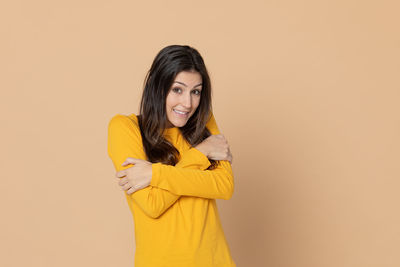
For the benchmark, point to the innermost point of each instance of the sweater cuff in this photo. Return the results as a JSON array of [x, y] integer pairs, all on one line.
[[194, 158]]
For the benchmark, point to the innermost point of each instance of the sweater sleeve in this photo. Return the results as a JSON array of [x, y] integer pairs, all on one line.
[[124, 140], [217, 183]]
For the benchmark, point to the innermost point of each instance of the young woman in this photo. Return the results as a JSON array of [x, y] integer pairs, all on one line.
[[173, 163]]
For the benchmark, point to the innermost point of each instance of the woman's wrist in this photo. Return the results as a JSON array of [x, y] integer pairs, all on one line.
[[202, 149]]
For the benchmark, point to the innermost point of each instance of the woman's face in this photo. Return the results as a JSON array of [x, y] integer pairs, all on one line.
[[183, 98]]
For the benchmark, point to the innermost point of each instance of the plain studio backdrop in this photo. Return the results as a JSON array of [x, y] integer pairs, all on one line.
[[306, 92]]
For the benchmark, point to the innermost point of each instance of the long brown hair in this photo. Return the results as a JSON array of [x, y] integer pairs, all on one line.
[[152, 117]]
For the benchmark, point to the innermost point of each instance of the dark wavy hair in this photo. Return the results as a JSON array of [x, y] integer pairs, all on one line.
[[152, 118]]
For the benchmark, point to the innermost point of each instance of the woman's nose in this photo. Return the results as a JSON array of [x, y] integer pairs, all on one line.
[[186, 101]]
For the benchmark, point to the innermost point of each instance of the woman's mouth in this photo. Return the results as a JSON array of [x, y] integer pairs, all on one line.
[[181, 113]]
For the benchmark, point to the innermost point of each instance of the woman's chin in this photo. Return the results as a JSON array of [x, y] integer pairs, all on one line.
[[179, 123]]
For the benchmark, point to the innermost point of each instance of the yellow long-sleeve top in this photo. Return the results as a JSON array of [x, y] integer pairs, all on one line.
[[176, 217]]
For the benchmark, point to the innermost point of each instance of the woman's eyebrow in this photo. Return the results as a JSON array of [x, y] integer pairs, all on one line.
[[186, 85]]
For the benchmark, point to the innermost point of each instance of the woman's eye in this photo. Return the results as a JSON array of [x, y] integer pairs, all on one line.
[[176, 90], [197, 92]]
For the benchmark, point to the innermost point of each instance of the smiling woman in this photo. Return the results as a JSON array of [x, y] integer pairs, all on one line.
[[184, 98], [181, 165]]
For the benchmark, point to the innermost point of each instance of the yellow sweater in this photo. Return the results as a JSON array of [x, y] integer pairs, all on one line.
[[176, 217]]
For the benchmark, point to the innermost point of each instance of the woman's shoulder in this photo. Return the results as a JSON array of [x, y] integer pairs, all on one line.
[[125, 121], [212, 124]]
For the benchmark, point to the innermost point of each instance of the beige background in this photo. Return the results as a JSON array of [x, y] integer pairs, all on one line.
[[307, 93]]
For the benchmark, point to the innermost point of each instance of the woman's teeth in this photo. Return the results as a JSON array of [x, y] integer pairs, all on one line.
[[180, 112]]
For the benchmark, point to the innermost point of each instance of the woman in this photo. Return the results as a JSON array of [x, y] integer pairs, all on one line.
[[172, 162]]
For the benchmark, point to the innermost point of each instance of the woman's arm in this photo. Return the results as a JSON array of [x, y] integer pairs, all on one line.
[[217, 183], [124, 140]]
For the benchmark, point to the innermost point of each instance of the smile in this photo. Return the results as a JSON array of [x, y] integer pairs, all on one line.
[[181, 113]]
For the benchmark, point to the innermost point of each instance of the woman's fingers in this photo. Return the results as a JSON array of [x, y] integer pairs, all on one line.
[[133, 189], [126, 186], [121, 174], [123, 181], [131, 161], [135, 177]]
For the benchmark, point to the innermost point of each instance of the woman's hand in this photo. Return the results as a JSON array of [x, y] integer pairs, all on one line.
[[136, 177], [216, 147]]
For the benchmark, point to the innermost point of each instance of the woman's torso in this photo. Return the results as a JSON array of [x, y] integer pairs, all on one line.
[[187, 234]]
